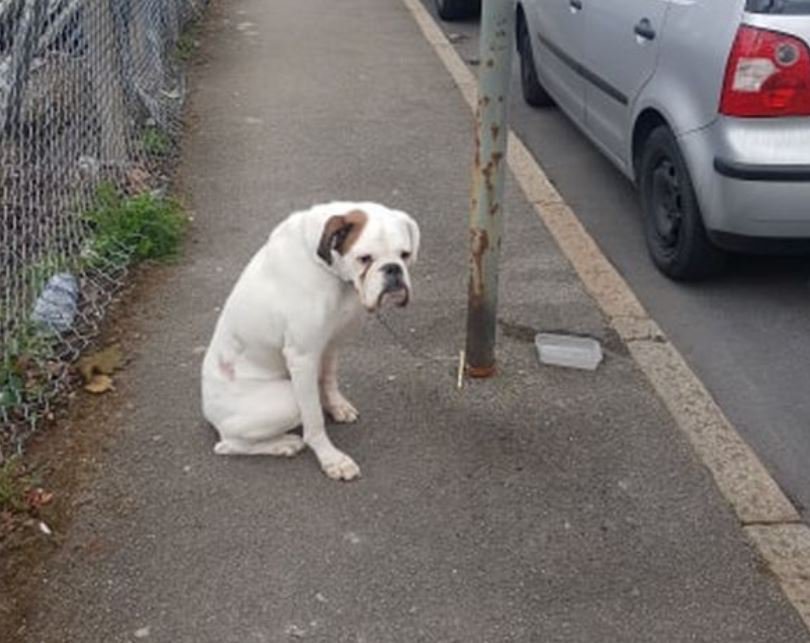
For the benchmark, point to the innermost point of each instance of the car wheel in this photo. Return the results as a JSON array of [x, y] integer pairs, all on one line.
[[533, 92], [457, 9], [674, 230]]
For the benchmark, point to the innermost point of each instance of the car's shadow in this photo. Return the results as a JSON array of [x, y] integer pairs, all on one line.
[[773, 271]]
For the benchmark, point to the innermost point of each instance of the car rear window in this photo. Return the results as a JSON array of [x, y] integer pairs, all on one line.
[[784, 7]]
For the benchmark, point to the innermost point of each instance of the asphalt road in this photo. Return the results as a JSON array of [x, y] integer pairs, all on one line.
[[746, 334]]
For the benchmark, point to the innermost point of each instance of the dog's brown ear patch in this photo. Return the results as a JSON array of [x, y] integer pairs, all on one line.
[[340, 233]]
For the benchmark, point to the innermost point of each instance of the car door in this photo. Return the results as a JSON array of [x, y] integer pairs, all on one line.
[[558, 35], [621, 51]]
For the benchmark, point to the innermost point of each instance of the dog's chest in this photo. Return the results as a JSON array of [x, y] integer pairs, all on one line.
[[347, 314], [343, 317]]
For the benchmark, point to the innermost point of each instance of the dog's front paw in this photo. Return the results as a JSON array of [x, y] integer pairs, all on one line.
[[341, 468], [341, 410]]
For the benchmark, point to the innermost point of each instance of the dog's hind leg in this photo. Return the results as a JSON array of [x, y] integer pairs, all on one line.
[[287, 445], [259, 425]]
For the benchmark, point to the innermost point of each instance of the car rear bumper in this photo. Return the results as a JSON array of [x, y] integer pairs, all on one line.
[[759, 172], [752, 176]]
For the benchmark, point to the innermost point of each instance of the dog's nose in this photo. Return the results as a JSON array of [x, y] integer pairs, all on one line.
[[392, 270]]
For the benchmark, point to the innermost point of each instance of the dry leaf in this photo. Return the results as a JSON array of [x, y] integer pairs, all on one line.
[[138, 180], [54, 368], [36, 498], [105, 362], [99, 384]]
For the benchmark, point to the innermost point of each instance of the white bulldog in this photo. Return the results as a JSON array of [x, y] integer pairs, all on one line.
[[272, 362]]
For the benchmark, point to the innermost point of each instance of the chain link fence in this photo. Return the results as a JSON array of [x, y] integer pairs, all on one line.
[[90, 100]]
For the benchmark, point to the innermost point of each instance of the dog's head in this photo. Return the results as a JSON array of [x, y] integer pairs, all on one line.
[[372, 247]]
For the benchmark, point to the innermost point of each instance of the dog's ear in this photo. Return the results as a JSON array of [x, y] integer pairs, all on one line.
[[415, 236], [339, 233], [334, 235]]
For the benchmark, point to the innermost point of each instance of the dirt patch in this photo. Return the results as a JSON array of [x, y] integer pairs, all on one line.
[[61, 459]]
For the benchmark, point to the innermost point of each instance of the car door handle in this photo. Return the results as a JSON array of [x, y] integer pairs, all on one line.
[[644, 29], [576, 5]]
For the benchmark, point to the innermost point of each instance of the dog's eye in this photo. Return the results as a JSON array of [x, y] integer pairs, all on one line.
[[405, 256], [365, 259]]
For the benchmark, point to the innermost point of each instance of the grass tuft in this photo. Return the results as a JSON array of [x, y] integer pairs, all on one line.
[[22, 368], [187, 43], [156, 143], [146, 226]]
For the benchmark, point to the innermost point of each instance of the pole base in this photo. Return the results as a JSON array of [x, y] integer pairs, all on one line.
[[481, 372]]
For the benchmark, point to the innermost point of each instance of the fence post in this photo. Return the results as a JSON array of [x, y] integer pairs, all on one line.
[[105, 68], [23, 48], [486, 211]]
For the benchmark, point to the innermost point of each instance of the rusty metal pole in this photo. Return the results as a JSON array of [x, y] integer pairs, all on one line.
[[486, 210]]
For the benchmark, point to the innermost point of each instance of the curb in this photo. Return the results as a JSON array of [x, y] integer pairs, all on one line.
[[769, 520]]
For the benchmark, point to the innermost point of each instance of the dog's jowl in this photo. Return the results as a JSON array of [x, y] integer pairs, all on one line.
[[272, 362]]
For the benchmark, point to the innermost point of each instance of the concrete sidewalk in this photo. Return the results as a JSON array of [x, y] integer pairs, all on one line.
[[544, 505]]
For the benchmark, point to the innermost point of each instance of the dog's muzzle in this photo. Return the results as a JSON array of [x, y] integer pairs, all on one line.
[[394, 288]]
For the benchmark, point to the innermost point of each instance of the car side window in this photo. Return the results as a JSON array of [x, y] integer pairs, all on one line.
[[788, 7]]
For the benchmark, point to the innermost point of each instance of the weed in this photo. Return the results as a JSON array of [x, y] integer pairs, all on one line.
[[23, 366], [12, 386], [145, 226], [27, 346], [13, 486], [156, 143], [187, 44]]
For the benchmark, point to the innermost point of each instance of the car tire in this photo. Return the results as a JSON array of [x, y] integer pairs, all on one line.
[[457, 9], [676, 237], [533, 92]]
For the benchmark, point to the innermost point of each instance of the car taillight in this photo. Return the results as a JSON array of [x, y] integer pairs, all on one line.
[[768, 74]]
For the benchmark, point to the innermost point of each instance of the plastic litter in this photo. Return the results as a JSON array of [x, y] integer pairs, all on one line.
[[56, 307], [568, 351]]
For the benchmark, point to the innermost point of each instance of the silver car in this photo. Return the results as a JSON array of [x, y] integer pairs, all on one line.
[[705, 104]]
